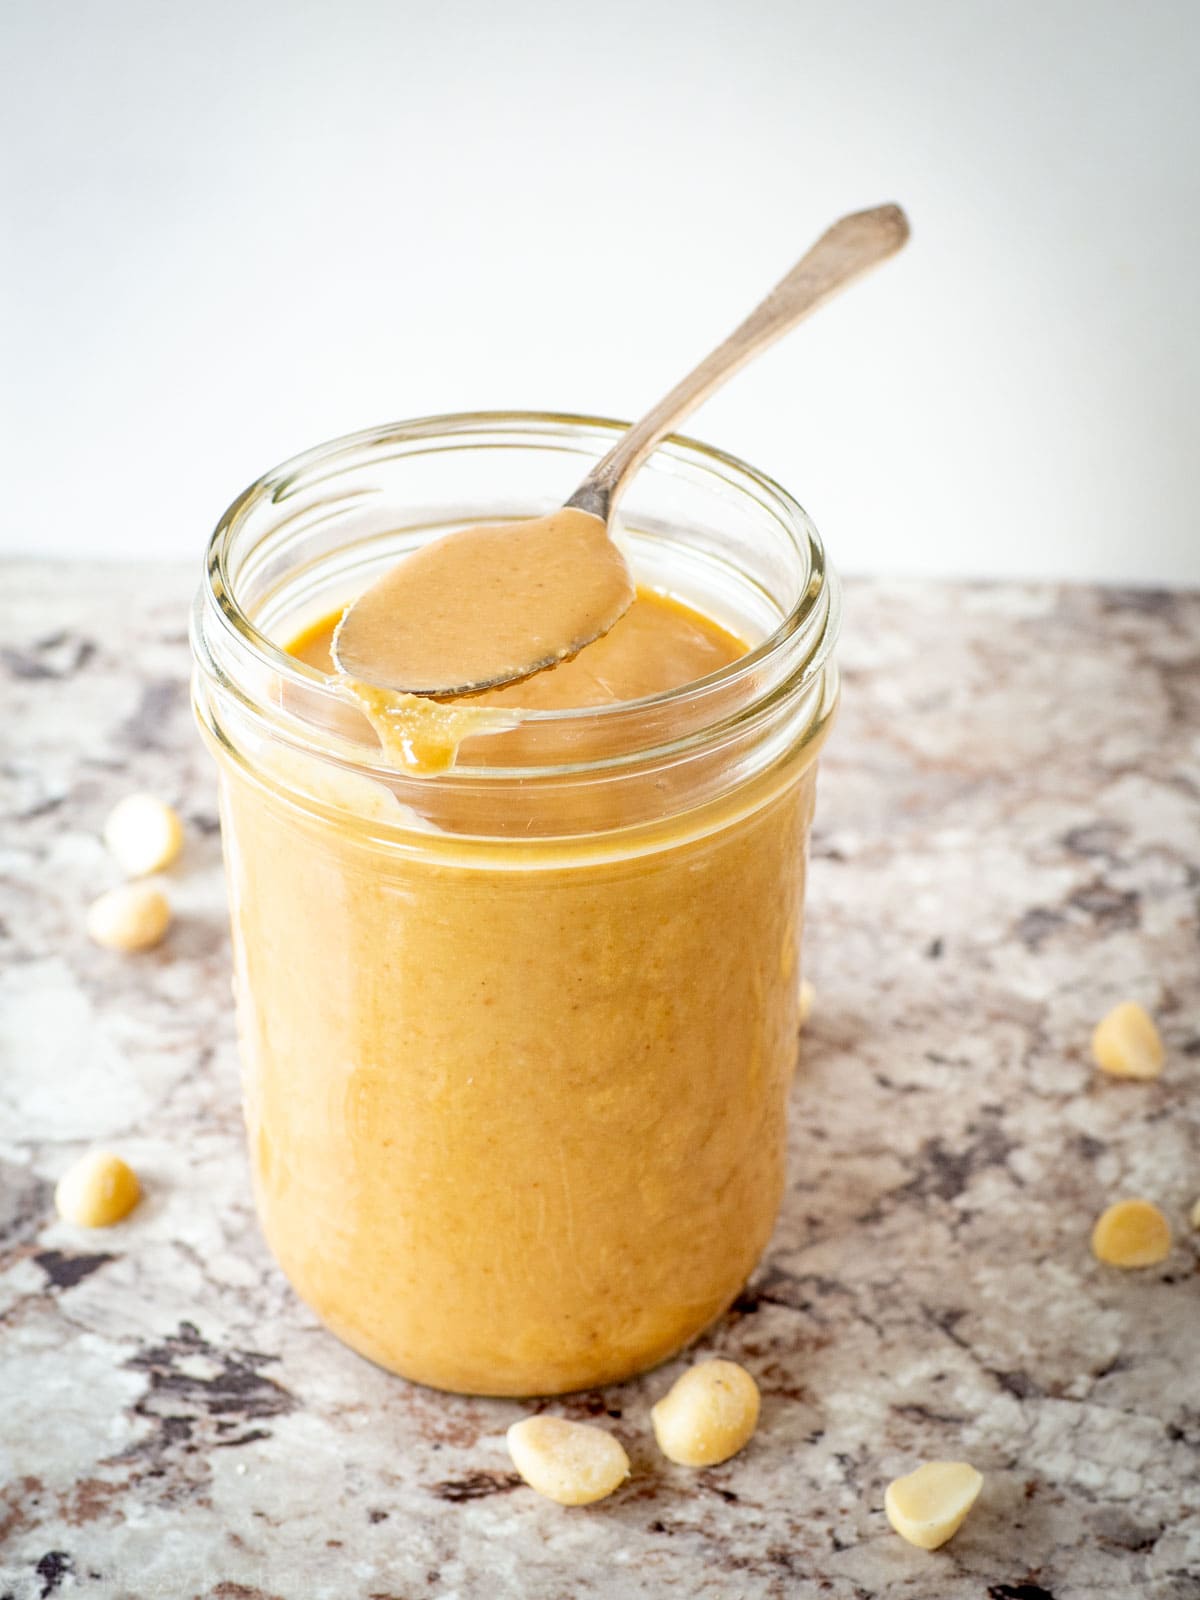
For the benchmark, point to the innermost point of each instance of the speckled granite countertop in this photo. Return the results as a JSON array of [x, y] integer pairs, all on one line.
[[1008, 842]]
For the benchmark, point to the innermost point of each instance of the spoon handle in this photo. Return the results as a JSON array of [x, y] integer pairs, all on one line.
[[849, 248]]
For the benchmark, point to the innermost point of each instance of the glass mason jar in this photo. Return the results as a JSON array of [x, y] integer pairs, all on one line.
[[516, 1039]]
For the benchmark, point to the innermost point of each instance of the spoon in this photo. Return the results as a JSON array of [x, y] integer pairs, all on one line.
[[493, 604]]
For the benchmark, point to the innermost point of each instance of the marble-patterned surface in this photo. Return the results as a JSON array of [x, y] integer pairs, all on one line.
[[1008, 843]]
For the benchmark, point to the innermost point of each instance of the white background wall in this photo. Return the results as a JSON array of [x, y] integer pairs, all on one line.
[[230, 230]]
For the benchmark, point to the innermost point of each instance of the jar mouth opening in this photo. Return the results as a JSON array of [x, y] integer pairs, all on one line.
[[276, 484], [798, 646]]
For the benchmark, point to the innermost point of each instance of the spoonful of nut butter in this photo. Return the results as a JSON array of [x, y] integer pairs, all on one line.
[[495, 603]]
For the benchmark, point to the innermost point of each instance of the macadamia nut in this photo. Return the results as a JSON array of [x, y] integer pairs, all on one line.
[[807, 995], [143, 834], [97, 1191], [1131, 1233], [134, 916], [1126, 1044], [708, 1414], [573, 1463], [930, 1505]]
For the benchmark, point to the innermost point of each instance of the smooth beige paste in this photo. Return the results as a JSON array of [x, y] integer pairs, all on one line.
[[486, 605], [517, 1106]]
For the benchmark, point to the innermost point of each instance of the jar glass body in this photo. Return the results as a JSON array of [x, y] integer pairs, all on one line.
[[516, 1039]]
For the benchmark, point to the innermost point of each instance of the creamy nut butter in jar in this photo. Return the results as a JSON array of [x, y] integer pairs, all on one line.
[[517, 1037]]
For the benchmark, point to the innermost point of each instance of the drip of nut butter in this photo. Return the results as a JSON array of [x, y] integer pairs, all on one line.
[[421, 736]]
